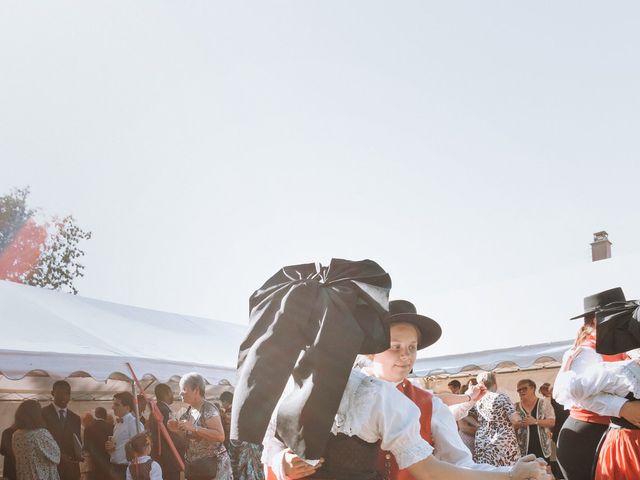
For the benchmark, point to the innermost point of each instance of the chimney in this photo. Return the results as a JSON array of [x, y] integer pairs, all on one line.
[[601, 246]]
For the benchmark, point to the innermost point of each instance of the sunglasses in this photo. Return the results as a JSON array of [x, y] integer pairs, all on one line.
[[522, 389]]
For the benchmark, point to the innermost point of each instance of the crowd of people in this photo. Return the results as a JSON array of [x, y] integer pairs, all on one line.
[[374, 425], [54, 443]]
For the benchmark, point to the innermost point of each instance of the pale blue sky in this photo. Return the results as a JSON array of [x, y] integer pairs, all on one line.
[[205, 144]]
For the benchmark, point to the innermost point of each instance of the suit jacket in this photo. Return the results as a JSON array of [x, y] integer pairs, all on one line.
[[330, 314], [161, 452], [9, 468], [68, 468], [95, 436]]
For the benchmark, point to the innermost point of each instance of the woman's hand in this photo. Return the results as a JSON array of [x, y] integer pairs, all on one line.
[[529, 467], [476, 392], [630, 411], [172, 425], [109, 446], [295, 467], [186, 426]]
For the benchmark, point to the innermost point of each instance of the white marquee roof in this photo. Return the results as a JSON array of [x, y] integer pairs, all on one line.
[[62, 334], [540, 355]]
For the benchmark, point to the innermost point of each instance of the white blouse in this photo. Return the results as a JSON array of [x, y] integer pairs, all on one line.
[[595, 385], [373, 410]]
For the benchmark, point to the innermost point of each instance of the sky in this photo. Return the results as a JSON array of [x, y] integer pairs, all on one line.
[[206, 144]]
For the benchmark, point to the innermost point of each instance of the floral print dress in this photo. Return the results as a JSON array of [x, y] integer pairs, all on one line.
[[197, 448], [37, 455], [496, 442]]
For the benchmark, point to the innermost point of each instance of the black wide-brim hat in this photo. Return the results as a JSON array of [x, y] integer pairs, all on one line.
[[403, 311], [598, 300]]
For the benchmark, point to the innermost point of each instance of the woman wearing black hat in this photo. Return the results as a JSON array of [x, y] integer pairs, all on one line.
[[409, 333], [580, 385]]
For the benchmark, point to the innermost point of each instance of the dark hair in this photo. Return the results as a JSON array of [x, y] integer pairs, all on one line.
[[136, 445], [101, 413], [454, 383], [61, 384], [226, 397], [527, 381], [29, 416], [163, 390], [126, 399], [142, 402]]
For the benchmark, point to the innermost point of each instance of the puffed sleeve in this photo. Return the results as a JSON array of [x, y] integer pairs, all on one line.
[[588, 382], [397, 420], [48, 446]]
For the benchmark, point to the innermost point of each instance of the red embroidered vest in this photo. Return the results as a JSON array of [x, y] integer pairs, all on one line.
[[424, 401]]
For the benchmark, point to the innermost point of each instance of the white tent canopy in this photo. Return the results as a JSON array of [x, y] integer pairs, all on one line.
[[63, 335], [543, 355]]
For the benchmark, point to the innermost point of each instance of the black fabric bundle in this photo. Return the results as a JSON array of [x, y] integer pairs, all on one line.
[[310, 322], [618, 327]]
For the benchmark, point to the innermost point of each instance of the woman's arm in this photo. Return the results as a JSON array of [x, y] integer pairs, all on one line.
[[48, 446], [433, 469], [585, 376], [211, 432]]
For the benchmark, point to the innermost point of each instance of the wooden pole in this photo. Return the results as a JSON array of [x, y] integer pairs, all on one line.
[[155, 411]]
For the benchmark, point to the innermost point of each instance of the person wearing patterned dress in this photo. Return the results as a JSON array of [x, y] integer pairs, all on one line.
[[245, 456], [496, 442], [202, 427], [37, 453]]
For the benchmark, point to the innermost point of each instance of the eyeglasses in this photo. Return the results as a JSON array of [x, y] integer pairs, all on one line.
[[522, 389]]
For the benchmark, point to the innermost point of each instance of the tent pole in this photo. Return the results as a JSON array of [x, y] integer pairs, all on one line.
[[135, 404]]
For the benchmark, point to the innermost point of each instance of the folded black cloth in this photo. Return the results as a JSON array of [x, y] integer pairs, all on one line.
[[618, 327], [309, 322]]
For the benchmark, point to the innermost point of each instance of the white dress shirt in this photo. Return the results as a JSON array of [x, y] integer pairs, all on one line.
[[122, 432], [372, 410], [595, 385], [156, 470]]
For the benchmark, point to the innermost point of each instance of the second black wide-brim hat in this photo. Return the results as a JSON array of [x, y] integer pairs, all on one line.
[[403, 311], [598, 300]]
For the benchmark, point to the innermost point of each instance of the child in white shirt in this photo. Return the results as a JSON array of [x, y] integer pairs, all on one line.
[[141, 465]]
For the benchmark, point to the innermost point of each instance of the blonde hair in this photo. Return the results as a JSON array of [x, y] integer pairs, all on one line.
[[586, 330], [488, 379]]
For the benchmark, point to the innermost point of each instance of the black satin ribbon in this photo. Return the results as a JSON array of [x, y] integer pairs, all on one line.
[[309, 322], [618, 327]]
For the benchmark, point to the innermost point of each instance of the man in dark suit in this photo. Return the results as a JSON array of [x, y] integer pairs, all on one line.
[[6, 450], [95, 436], [161, 451], [64, 426]]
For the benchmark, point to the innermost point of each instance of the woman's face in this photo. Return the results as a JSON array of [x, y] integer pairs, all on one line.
[[189, 395], [395, 364]]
